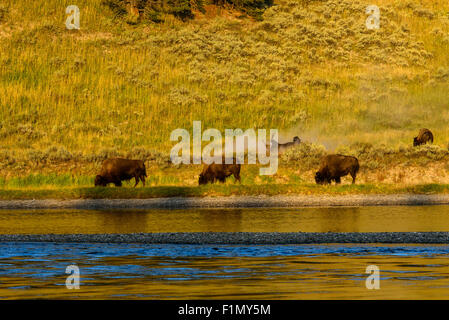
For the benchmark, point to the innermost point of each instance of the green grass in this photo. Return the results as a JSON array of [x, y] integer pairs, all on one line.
[[41, 180], [214, 190]]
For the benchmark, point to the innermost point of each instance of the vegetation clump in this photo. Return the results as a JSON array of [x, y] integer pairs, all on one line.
[[155, 10], [3, 12]]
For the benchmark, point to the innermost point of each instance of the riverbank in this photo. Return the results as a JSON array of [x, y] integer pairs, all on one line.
[[241, 238], [219, 190], [277, 201]]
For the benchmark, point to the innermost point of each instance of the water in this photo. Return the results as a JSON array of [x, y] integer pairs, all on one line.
[[142, 271], [347, 219], [113, 271]]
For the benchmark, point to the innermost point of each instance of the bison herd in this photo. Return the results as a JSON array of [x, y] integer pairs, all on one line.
[[332, 167]]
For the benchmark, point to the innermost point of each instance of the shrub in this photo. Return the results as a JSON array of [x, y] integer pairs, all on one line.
[[254, 8], [308, 154], [154, 10], [117, 6], [3, 12]]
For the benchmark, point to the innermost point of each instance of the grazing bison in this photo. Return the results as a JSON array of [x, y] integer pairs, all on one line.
[[282, 147], [335, 166], [424, 136], [116, 170], [214, 171]]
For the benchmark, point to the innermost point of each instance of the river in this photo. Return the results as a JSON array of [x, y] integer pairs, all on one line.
[[149, 271]]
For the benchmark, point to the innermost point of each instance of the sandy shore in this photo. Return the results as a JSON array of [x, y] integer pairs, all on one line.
[[233, 202], [241, 238]]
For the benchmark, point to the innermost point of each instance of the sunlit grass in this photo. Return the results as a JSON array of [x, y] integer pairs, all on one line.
[[307, 69], [213, 191]]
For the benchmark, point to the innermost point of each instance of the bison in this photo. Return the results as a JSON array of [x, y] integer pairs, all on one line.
[[215, 171], [116, 170], [424, 136], [282, 147], [335, 166]]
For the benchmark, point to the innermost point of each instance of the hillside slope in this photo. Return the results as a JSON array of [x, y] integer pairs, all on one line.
[[309, 68]]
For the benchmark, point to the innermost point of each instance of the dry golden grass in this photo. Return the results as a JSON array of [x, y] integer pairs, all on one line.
[[310, 69]]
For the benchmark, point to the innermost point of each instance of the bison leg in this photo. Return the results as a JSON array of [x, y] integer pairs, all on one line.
[[353, 175], [118, 183], [142, 178], [237, 175], [222, 179], [337, 180], [137, 181]]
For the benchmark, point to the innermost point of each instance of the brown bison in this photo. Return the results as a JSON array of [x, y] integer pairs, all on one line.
[[116, 170], [335, 166], [424, 136], [214, 171]]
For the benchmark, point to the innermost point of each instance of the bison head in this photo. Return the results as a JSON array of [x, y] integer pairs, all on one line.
[[416, 142], [100, 181], [202, 179], [319, 178], [205, 178]]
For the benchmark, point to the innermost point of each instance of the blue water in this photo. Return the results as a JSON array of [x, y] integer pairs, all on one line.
[[42, 250], [36, 270]]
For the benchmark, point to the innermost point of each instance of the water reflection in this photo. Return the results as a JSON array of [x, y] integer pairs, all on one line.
[[343, 219], [37, 270]]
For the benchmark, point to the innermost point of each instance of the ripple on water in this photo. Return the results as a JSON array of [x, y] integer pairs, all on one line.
[[30, 270]]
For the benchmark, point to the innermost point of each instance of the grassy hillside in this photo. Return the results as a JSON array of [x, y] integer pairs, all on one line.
[[70, 98]]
